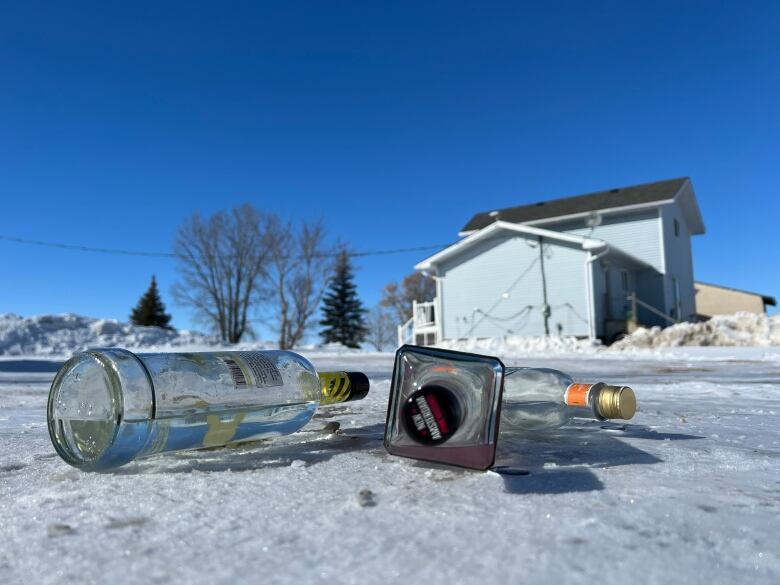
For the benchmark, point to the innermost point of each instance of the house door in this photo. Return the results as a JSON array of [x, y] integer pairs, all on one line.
[[618, 286]]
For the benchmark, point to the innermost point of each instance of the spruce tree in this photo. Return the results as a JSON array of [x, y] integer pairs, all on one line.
[[150, 310], [343, 315]]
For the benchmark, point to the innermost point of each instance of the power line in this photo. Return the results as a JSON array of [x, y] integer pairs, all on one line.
[[171, 255], [86, 248], [400, 250]]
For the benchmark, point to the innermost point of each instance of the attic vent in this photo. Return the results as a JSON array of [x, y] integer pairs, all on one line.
[[614, 190], [493, 213], [540, 204]]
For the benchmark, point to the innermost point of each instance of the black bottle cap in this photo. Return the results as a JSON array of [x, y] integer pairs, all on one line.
[[342, 387], [358, 386], [431, 415]]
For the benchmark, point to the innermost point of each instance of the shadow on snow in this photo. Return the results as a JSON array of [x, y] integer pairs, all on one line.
[[560, 461]]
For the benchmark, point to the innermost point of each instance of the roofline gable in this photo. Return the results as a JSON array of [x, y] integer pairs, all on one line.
[[643, 196], [686, 198], [607, 211], [586, 244]]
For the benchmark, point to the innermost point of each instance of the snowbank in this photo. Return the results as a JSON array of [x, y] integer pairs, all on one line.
[[512, 344], [738, 330], [65, 334]]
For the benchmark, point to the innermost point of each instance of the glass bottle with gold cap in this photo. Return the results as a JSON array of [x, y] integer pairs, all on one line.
[[536, 399], [455, 407], [108, 407]]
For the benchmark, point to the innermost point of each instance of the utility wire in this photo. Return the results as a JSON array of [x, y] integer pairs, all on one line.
[[172, 255], [86, 248]]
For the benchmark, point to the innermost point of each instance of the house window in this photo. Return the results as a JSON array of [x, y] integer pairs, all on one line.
[[676, 228], [624, 280]]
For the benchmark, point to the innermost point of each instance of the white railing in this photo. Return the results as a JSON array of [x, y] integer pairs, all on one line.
[[420, 329], [424, 315], [636, 301], [406, 333]]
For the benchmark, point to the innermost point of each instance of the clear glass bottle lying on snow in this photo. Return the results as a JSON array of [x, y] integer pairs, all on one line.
[[110, 406], [536, 399], [445, 405]]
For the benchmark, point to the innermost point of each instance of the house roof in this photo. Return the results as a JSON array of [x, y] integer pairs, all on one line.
[[768, 300], [648, 193], [587, 244]]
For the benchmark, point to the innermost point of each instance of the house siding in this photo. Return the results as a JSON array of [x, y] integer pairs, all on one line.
[[637, 233], [679, 264], [599, 294], [650, 289], [473, 283]]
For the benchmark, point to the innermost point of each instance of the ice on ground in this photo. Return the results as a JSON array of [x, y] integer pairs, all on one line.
[[688, 491]]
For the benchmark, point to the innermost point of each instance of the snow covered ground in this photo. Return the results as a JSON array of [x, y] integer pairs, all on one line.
[[687, 492]]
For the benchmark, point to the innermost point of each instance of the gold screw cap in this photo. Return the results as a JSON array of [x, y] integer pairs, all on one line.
[[617, 402]]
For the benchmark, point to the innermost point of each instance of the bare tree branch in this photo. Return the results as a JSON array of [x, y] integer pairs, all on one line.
[[381, 328], [221, 262], [297, 273], [415, 287]]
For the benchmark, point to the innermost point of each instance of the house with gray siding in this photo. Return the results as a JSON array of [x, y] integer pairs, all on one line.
[[591, 266]]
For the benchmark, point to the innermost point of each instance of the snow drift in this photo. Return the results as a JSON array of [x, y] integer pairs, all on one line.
[[513, 344], [65, 334], [738, 330]]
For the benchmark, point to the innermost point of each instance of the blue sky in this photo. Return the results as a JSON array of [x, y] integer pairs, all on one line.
[[393, 122]]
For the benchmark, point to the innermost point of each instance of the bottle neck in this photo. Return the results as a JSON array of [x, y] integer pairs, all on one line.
[[601, 401], [338, 387]]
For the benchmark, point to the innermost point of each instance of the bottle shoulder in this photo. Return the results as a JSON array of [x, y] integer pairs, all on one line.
[[540, 382]]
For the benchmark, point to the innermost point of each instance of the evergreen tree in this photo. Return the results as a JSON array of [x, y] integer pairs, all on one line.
[[343, 313], [150, 310]]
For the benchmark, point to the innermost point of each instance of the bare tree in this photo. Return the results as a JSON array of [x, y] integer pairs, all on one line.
[[221, 262], [381, 328], [297, 272], [414, 287]]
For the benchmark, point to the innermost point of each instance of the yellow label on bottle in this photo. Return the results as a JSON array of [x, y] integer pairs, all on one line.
[[334, 387], [221, 431]]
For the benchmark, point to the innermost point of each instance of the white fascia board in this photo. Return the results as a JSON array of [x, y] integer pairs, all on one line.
[[690, 208], [591, 243], [606, 211], [465, 243], [468, 241]]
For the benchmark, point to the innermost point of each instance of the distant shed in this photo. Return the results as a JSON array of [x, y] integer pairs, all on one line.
[[713, 299]]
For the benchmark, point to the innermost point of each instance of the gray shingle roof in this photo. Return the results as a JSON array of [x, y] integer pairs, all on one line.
[[637, 194]]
